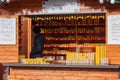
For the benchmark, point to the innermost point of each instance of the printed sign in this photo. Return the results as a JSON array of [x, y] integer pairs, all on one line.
[[7, 31], [60, 6], [114, 29]]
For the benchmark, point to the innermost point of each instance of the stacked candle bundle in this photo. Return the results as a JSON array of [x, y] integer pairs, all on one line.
[[80, 58], [35, 61], [100, 56], [89, 58]]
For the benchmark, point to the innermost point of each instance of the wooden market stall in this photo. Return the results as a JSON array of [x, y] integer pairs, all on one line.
[[66, 34]]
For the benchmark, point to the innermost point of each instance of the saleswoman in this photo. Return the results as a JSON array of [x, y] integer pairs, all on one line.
[[38, 45]]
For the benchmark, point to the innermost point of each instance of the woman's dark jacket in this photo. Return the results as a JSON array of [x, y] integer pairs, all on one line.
[[38, 46]]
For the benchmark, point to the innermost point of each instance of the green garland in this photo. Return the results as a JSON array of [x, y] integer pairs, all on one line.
[[2, 3], [117, 1]]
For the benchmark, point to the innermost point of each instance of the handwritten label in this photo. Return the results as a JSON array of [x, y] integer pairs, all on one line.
[[7, 31], [114, 29]]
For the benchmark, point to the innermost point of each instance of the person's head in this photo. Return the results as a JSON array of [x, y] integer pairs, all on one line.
[[36, 30]]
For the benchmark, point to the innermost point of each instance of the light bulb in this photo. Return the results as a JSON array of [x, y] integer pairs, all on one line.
[[101, 1], [8, 1], [112, 1]]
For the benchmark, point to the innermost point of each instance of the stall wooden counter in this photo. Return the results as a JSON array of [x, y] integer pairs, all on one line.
[[18, 71]]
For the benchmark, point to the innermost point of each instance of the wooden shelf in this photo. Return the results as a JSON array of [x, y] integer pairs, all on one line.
[[70, 25], [99, 33], [62, 66], [58, 32], [54, 53], [47, 46], [79, 39]]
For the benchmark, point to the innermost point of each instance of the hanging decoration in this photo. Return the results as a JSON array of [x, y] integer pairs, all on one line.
[[2, 2]]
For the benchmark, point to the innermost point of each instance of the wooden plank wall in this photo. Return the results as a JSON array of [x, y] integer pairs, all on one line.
[[9, 53], [113, 53], [22, 73]]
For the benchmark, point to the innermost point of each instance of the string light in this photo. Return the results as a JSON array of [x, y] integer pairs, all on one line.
[[111, 1], [101, 1], [8, 1]]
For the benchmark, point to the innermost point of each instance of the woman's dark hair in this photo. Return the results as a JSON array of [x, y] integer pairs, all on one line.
[[36, 29]]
